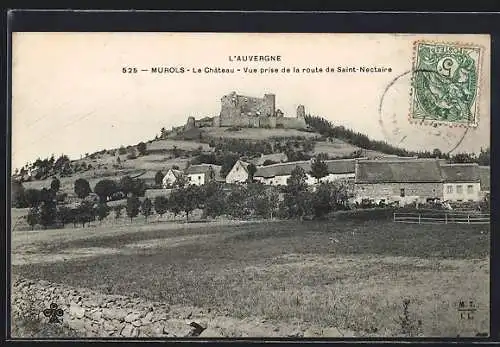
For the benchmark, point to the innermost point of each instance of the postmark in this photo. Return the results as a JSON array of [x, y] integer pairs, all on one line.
[[397, 131], [445, 84]]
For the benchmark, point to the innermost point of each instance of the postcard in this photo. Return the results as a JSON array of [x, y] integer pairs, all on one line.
[[200, 185]]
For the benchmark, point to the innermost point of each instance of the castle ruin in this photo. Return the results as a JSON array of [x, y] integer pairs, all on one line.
[[251, 112]]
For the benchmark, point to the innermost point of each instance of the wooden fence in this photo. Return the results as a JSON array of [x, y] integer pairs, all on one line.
[[444, 218]]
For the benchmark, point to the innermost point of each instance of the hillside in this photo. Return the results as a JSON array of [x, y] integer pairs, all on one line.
[[176, 149]]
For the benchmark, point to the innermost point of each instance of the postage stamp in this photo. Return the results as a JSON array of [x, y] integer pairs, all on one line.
[[445, 84]]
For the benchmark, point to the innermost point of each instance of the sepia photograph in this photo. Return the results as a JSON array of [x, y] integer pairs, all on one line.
[[259, 185]]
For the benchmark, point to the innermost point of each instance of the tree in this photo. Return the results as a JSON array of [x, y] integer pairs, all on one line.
[[214, 199], [161, 205], [319, 169], [47, 195], [186, 200], [142, 148], [105, 188], [85, 213], [118, 211], [236, 202], [64, 215], [297, 198], [48, 213], [33, 217], [122, 150], [159, 178], [82, 188], [146, 208], [55, 184], [17, 194], [102, 211], [163, 133], [252, 169], [181, 182], [133, 205], [32, 197], [227, 164], [126, 185], [322, 200], [297, 179]]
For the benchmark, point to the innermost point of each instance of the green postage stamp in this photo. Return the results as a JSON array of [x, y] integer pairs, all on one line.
[[445, 84]]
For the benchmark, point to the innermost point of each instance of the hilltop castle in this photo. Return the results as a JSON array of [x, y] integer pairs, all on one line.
[[250, 112]]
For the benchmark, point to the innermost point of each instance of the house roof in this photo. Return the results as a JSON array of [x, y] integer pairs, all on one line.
[[460, 173], [281, 169], [201, 168], [339, 166], [484, 176], [205, 168], [242, 163], [398, 171], [176, 173]]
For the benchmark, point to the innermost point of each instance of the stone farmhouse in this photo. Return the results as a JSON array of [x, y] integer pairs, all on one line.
[[461, 182], [203, 173], [416, 180], [278, 174], [251, 112]]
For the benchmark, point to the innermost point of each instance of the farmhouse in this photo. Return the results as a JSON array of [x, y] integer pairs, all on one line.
[[203, 173], [171, 177], [278, 174], [238, 173], [461, 182], [402, 181]]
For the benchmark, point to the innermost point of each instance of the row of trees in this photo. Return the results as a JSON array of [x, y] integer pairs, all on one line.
[[105, 189], [253, 200]]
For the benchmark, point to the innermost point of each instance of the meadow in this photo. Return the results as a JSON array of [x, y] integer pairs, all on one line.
[[346, 274]]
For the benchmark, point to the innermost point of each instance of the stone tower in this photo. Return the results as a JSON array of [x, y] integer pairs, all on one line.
[[269, 108], [301, 111], [191, 123]]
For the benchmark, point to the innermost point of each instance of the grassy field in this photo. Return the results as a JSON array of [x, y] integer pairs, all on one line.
[[256, 133], [351, 275]]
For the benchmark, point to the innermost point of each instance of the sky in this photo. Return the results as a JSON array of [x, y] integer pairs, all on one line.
[[70, 96]]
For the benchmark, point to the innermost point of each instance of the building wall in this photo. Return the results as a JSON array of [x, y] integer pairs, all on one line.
[[291, 123], [245, 111], [273, 181], [335, 177], [462, 191], [196, 179], [168, 179], [234, 105], [238, 174], [392, 191]]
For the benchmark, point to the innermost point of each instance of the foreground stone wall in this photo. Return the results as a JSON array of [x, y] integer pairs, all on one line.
[[93, 314]]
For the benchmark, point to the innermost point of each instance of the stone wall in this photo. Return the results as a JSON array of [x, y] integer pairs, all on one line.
[[234, 105], [93, 314], [291, 123], [392, 191]]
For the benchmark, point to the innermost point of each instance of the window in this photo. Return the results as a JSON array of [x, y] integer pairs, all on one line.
[[470, 189], [459, 189], [449, 189], [402, 192]]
